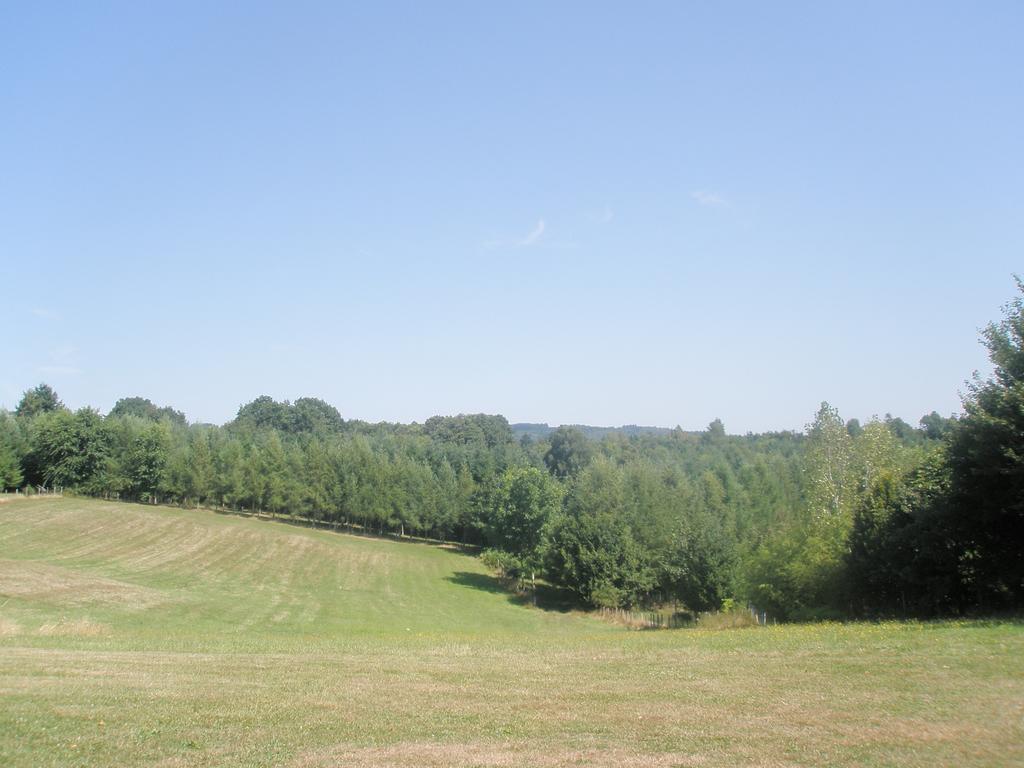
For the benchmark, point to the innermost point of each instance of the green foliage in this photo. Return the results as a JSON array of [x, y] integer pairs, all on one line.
[[70, 449], [478, 429], [498, 560], [986, 456], [199, 466], [936, 427], [508, 566], [526, 499], [142, 408], [801, 567], [873, 582], [715, 432], [699, 565], [41, 399], [312, 415], [904, 432], [308, 415], [827, 467], [10, 468], [146, 463], [568, 453], [265, 413], [901, 559], [13, 447], [593, 550]]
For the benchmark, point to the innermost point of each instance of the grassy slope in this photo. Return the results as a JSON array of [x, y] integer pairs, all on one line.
[[137, 635], [161, 577]]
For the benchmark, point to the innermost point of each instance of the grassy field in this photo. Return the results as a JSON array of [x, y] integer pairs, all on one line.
[[135, 635]]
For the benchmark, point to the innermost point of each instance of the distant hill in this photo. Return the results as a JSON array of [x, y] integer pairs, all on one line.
[[541, 431]]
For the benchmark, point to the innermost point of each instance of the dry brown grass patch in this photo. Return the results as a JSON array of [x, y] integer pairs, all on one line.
[[63, 586], [9, 627], [74, 628], [486, 755]]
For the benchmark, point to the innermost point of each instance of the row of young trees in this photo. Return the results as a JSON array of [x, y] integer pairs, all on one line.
[[844, 519]]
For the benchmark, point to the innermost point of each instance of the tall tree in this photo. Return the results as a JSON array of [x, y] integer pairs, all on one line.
[[71, 449], [147, 461], [527, 498], [986, 455], [875, 450], [200, 465], [10, 468], [143, 408], [12, 448], [310, 414], [265, 413], [593, 550], [569, 453], [40, 399], [828, 464]]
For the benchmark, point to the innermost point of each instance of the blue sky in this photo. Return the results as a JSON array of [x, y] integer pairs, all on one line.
[[655, 213]]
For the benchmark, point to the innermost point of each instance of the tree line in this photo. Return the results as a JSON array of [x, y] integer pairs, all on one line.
[[840, 520]]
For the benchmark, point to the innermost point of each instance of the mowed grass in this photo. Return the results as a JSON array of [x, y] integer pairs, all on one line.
[[134, 635]]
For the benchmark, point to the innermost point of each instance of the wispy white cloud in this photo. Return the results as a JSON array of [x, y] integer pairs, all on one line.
[[47, 314], [535, 235], [708, 198]]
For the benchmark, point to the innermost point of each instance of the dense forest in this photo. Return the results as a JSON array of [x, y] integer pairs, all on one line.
[[845, 519]]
